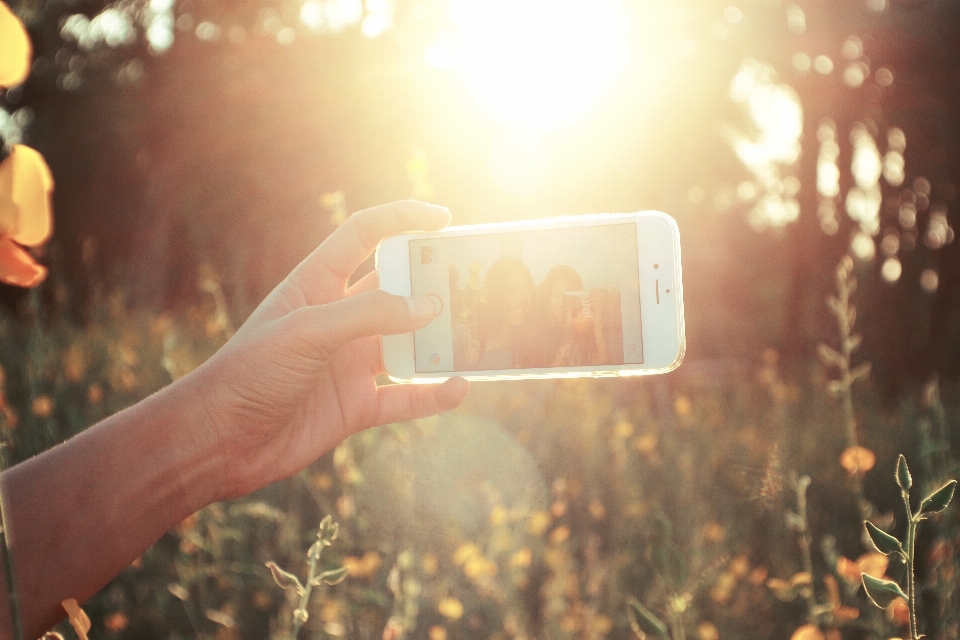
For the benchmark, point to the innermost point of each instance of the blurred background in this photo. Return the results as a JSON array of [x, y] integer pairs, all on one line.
[[201, 148]]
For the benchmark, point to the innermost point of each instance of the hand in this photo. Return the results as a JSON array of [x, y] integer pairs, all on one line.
[[600, 342], [596, 309], [300, 374]]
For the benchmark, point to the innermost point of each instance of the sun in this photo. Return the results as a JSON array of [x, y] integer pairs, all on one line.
[[538, 64]]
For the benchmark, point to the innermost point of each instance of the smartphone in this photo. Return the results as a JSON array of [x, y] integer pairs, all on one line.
[[580, 296]]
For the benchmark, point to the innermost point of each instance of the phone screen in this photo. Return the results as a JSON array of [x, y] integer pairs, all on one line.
[[529, 299]]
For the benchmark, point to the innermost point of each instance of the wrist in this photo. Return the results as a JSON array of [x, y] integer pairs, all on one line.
[[189, 443]]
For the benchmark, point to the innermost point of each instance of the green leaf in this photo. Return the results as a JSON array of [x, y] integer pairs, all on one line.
[[788, 590], [332, 577], [829, 356], [328, 531], [835, 306], [903, 474], [883, 541], [285, 579], [852, 343], [881, 592], [939, 499], [861, 371], [643, 622]]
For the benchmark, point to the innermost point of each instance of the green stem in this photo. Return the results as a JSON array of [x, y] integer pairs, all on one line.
[[12, 599], [912, 521], [849, 419], [304, 597], [804, 539], [676, 625]]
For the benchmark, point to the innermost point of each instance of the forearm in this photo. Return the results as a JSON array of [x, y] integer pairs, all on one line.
[[79, 513], [603, 356]]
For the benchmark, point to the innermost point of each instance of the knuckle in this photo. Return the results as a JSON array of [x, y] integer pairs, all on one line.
[[317, 345], [386, 306], [368, 229]]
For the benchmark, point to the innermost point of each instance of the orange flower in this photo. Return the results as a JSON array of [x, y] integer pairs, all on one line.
[[807, 632], [898, 612], [116, 621], [848, 570], [857, 460], [363, 567], [25, 187], [450, 608], [841, 612], [873, 564], [15, 52]]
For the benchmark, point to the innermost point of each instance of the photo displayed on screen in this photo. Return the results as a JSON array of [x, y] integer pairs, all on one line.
[[529, 299]]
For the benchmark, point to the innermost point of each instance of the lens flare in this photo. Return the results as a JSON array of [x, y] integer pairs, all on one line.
[[538, 64]]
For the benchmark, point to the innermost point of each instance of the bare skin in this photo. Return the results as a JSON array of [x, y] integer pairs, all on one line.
[[297, 379]]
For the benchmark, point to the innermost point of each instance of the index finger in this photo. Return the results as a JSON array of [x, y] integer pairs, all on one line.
[[337, 257]]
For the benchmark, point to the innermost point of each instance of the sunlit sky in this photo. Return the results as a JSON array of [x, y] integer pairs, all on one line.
[[536, 68], [521, 59]]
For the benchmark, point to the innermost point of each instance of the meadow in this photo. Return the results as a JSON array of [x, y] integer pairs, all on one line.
[[809, 153]]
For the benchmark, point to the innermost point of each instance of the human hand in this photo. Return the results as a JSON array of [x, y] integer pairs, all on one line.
[[300, 374], [596, 308]]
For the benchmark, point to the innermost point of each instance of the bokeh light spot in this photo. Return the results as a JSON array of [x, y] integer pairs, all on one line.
[[891, 270], [311, 15], [893, 168], [908, 215], [855, 74], [929, 280], [897, 139], [796, 20], [774, 146], [852, 48], [890, 244], [208, 31], [939, 232], [733, 15], [801, 62], [863, 246], [884, 77]]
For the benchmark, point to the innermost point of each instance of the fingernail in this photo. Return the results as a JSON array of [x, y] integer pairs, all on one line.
[[424, 307]]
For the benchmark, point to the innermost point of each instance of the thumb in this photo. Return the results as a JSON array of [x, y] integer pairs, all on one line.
[[326, 328]]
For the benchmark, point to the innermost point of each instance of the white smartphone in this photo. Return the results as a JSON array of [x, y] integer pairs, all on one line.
[[579, 296]]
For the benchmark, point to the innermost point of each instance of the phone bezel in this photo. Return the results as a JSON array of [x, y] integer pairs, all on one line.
[[662, 324]]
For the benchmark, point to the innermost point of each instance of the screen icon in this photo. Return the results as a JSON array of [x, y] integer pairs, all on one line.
[[434, 358], [426, 255]]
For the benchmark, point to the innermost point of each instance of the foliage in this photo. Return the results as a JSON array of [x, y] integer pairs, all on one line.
[[289, 582], [883, 592], [665, 489], [722, 500]]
